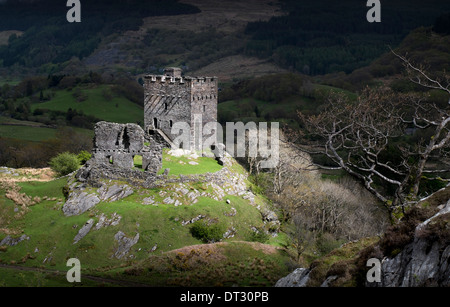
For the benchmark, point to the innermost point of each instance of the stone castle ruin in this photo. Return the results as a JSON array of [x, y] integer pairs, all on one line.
[[119, 144], [169, 98], [113, 172], [172, 98]]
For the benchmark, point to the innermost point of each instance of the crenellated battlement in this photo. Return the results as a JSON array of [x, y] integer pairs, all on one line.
[[202, 80], [180, 80], [163, 79], [172, 98]]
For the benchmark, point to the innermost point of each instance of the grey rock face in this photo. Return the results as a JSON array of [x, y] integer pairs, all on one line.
[[298, 278], [8, 171], [148, 201], [154, 248], [193, 220], [329, 280], [230, 233], [83, 231], [444, 268], [419, 264], [114, 192], [269, 215], [103, 221], [168, 200], [10, 241], [424, 262], [79, 202], [124, 244]]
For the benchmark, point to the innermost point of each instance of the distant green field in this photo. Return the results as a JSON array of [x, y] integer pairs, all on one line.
[[30, 133], [8, 120], [114, 109], [27, 133], [9, 81], [117, 109]]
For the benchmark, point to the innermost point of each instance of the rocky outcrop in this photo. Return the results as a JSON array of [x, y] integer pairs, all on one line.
[[298, 278], [83, 231], [425, 261], [271, 221], [79, 202], [420, 264], [80, 199], [114, 192], [10, 241], [93, 173], [124, 244], [103, 221]]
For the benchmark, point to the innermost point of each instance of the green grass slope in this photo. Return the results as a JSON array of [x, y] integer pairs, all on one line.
[[163, 255], [91, 100], [34, 133], [187, 165], [27, 133], [111, 108]]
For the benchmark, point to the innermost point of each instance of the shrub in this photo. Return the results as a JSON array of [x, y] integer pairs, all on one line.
[[79, 95], [259, 236], [399, 235], [205, 232], [83, 157], [326, 243], [64, 163]]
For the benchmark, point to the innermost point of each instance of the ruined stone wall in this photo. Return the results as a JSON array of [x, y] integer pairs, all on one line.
[[118, 144]]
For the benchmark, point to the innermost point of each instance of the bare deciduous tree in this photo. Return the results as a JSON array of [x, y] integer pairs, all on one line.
[[366, 137]]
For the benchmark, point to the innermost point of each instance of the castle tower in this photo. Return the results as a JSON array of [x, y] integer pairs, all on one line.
[[172, 98]]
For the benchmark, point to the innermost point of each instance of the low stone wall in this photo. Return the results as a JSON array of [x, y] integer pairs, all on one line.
[[92, 173]]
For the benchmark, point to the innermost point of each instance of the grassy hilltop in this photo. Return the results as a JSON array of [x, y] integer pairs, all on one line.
[[168, 252]]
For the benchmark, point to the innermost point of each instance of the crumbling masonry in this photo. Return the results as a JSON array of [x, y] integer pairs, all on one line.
[[119, 144], [169, 98]]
